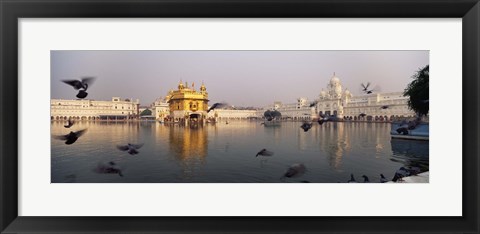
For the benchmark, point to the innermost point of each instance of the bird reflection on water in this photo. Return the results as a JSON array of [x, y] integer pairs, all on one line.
[[197, 154]]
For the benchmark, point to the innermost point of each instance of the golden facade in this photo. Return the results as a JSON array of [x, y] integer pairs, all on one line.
[[188, 103]]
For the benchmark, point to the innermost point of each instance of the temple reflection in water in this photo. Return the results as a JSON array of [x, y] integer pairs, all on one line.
[[189, 146], [226, 153]]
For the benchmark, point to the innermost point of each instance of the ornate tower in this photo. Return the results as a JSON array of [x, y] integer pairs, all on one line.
[[203, 89], [180, 85]]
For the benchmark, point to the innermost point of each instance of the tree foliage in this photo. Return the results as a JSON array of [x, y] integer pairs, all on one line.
[[146, 112], [417, 91], [271, 115]]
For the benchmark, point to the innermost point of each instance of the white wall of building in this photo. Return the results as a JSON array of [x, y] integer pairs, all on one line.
[[336, 101], [161, 109], [298, 110], [232, 114], [91, 109], [371, 105]]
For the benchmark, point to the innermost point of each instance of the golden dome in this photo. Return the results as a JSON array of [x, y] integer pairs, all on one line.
[[180, 85]]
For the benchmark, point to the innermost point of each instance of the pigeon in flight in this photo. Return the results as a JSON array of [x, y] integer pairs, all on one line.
[[323, 118], [384, 107], [295, 170], [82, 94], [306, 126], [110, 168], [365, 88], [217, 105], [362, 115], [130, 148], [70, 123], [264, 152], [81, 85], [71, 137], [312, 104]]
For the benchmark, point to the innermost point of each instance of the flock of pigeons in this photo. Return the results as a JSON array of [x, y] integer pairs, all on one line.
[[102, 168], [299, 169], [70, 138], [398, 177], [294, 171], [320, 119]]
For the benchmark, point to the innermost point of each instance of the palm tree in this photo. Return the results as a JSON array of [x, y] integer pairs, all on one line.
[[417, 91]]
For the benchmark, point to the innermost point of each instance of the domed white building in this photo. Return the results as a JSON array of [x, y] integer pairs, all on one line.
[[330, 101], [341, 103]]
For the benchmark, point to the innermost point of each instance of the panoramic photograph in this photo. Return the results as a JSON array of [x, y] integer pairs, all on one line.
[[239, 116]]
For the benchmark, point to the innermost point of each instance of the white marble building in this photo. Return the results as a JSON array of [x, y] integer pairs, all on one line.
[[299, 110], [335, 100], [342, 103], [232, 114], [371, 106], [84, 109], [161, 109]]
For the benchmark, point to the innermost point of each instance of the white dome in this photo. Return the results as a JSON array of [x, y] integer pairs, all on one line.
[[338, 90], [334, 81], [347, 92], [323, 93]]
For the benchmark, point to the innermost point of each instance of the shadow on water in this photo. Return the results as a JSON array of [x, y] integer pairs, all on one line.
[[411, 153]]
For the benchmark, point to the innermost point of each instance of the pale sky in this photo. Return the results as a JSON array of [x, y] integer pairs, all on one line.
[[241, 78]]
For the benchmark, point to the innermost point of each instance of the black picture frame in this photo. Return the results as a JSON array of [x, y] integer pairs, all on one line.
[[11, 11]]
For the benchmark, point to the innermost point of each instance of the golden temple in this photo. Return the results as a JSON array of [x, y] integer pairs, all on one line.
[[186, 103]]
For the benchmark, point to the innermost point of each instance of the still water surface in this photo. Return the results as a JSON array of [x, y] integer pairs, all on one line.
[[225, 153]]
